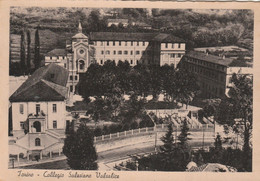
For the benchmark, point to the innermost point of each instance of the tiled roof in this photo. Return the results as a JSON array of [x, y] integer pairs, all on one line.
[[119, 36], [212, 167], [57, 52], [110, 36], [46, 83], [80, 36], [209, 58]]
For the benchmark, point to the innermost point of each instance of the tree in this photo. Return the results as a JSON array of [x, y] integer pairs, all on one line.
[[80, 150], [183, 137], [37, 61], [236, 111], [28, 62], [168, 141], [22, 53]]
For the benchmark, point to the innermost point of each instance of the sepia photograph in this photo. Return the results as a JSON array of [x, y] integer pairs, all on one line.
[[130, 89]]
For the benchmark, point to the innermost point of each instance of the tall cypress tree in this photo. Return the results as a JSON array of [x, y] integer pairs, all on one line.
[[80, 150], [28, 51], [37, 62], [22, 53]]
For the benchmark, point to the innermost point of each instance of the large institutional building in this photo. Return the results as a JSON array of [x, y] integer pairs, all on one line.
[[147, 48], [214, 72]]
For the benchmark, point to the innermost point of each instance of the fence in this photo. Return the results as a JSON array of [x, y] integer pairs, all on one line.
[[147, 130]]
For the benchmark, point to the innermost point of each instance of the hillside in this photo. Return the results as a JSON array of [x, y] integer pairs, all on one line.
[[200, 28]]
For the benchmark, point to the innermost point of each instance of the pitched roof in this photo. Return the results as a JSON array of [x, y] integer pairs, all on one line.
[[212, 167], [167, 38], [80, 36], [57, 52], [119, 36], [46, 83], [209, 58], [117, 20]]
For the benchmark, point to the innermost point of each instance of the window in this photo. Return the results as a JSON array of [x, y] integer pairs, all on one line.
[[125, 43], [119, 43], [173, 45], [137, 52], [71, 77], [22, 125], [102, 52], [131, 61], [131, 52], [71, 88], [132, 43], [108, 52], [54, 107], [76, 77], [37, 142], [179, 55], [179, 45], [114, 52], [21, 108], [137, 61], [54, 124], [119, 52], [125, 52], [172, 55], [166, 45], [64, 65], [101, 62], [114, 43], [107, 43], [143, 43], [137, 43], [38, 108], [101, 43], [51, 58]]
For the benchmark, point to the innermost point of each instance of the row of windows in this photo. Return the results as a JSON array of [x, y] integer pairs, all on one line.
[[120, 43], [131, 61], [120, 52], [173, 55], [38, 108], [60, 57], [168, 45], [206, 72], [54, 124], [208, 64], [71, 77]]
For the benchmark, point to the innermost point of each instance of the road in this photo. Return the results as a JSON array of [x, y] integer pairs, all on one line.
[[107, 159]]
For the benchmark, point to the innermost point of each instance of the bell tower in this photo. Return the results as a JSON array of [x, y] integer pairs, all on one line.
[[80, 49]]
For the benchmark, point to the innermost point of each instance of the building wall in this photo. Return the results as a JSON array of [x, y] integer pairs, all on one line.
[[46, 107], [131, 51], [211, 77], [59, 60]]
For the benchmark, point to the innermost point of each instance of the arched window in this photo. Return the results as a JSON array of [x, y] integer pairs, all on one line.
[[81, 64], [37, 126], [107, 52], [37, 142]]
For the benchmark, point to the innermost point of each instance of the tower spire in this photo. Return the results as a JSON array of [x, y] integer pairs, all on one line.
[[80, 27]]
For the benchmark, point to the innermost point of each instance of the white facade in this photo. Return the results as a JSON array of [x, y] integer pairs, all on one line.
[[21, 111], [130, 51], [171, 53]]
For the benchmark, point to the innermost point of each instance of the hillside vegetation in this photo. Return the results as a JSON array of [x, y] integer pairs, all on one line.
[[200, 28]]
